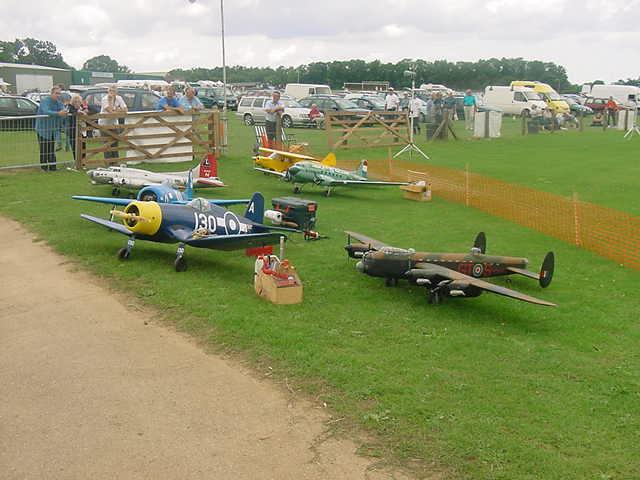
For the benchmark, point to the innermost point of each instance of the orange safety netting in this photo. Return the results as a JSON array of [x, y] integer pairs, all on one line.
[[607, 232]]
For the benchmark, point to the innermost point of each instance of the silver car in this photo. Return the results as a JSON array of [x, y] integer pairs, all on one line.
[[251, 111]]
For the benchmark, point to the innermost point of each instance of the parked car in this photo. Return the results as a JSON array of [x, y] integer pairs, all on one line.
[[368, 102], [330, 103], [513, 100], [576, 107], [251, 110], [302, 90], [214, 97], [15, 106], [136, 99], [596, 104]]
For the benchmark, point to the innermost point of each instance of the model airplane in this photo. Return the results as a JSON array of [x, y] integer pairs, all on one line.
[[316, 173], [446, 274], [280, 161], [199, 224], [204, 175]]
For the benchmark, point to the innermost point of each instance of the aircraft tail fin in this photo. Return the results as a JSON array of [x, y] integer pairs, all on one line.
[[188, 191], [255, 208], [363, 168], [546, 272], [329, 160], [480, 242], [208, 166]]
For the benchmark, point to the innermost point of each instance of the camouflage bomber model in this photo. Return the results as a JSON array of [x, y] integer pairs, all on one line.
[[446, 274]]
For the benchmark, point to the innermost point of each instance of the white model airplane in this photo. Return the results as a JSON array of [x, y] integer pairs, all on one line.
[[204, 175]]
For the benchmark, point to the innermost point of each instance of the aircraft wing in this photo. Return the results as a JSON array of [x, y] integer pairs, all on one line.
[[297, 156], [270, 172], [209, 182], [526, 273], [122, 202], [222, 203], [427, 270], [118, 227], [333, 182], [372, 242], [235, 242]]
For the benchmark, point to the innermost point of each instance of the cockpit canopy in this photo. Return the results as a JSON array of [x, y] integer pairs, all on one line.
[[397, 251], [201, 204]]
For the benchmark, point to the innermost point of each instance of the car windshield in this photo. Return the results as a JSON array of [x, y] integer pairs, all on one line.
[[291, 103], [219, 91], [553, 96], [345, 104], [533, 96], [376, 101]]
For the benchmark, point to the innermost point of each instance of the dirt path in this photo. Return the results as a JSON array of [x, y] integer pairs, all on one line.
[[87, 390]]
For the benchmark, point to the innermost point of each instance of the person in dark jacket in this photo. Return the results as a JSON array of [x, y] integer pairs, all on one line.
[[48, 125]]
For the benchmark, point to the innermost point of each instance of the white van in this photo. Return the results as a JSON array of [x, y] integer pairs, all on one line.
[[513, 100], [626, 95], [302, 90]]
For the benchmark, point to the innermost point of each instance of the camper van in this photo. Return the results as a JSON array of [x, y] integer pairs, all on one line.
[[513, 100], [554, 101], [626, 95], [301, 90]]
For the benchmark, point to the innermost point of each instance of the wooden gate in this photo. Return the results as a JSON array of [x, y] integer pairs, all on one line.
[[147, 137], [374, 129]]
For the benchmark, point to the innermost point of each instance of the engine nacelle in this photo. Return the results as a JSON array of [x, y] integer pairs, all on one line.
[[462, 289], [356, 250]]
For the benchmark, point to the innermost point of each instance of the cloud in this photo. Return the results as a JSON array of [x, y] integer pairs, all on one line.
[[591, 38]]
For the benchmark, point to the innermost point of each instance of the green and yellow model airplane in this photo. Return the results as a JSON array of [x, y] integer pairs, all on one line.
[[319, 174]]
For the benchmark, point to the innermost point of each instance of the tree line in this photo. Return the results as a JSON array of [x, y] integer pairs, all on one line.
[[458, 75]]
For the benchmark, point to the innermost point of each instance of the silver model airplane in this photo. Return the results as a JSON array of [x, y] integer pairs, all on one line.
[[204, 175]]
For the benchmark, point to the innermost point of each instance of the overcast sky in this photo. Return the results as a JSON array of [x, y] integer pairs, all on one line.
[[593, 39]]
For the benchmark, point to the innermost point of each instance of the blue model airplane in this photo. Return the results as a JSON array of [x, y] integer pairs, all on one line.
[[198, 223]]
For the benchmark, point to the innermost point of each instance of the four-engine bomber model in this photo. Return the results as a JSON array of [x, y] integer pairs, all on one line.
[[446, 274]]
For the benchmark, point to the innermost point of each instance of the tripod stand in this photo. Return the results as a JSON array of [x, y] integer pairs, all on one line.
[[411, 146], [633, 126]]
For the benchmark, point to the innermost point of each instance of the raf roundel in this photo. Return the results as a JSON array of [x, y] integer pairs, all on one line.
[[478, 270], [231, 223]]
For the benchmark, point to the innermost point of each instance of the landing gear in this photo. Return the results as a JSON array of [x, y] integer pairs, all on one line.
[[115, 192], [391, 282], [181, 263], [435, 296], [327, 192], [125, 252], [297, 189]]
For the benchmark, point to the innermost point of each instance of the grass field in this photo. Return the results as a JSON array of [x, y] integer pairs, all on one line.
[[486, 388]]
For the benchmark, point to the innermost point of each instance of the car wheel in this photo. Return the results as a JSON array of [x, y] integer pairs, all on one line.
[[287, 122], [248, 119]]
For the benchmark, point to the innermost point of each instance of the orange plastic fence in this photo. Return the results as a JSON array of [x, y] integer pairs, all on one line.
[[607, 232]]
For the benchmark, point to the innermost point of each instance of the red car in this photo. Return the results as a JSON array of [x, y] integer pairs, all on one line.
[[596, 104]]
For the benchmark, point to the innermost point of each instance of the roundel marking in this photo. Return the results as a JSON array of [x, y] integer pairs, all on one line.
[[478, 270], [231, 223]]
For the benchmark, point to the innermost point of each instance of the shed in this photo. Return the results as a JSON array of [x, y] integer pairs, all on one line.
[[23, 77]]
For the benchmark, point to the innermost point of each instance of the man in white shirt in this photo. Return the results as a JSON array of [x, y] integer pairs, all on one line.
[[273, 109], [391, 101], [112, 103], [414, 113]]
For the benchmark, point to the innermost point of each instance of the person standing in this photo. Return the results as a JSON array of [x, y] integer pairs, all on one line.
[[612, 108], [169, 103], [76, 107], [391, 101], [414, 113], [189, 102], [112, 103], [48, 128], [469, 106], [273, 109]]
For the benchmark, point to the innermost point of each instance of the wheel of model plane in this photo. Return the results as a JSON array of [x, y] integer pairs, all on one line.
[[327, 193], [248, 119], [115, 192], [434, 297], [296, 190], [287, 122], [124, 254], [391, 282], [180, 264]]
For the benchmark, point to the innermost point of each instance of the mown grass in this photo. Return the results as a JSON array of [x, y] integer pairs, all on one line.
[[487, 388]]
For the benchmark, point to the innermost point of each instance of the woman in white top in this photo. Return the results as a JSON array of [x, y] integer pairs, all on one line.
[[111, 103]]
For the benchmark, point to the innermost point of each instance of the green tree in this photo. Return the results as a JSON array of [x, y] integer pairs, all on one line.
[[104, 63], [38, 52]]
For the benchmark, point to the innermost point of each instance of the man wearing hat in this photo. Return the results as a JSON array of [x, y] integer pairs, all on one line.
[[391, 101]]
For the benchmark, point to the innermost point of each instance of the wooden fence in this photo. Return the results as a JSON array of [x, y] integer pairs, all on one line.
[[146, 136], [605, 231], [373, 129]]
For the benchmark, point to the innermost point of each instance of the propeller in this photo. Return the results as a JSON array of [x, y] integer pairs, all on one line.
[[127, 216], [287, 176]]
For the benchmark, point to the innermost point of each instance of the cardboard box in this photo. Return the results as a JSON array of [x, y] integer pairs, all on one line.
[[279, 291], [418, 192]]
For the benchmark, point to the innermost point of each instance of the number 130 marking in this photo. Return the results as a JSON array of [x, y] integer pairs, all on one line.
[[208, 222]]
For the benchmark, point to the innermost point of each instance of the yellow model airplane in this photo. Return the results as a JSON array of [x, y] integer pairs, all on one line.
[[280, 161]]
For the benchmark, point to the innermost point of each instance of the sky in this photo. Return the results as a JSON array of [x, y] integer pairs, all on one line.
[[592, 39]]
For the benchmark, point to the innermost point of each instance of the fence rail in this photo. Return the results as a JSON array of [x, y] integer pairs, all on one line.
[[373, 129], [607, 232]]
